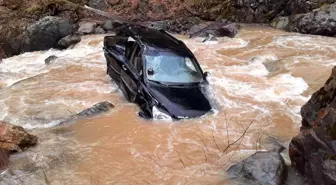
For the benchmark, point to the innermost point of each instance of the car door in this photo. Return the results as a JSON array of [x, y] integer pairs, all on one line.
[[114, 51], [129, 78]]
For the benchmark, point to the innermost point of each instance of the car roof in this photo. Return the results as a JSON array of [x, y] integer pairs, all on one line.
[[153, 38]]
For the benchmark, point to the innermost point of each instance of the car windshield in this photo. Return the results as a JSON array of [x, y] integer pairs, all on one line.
[[168, 67]]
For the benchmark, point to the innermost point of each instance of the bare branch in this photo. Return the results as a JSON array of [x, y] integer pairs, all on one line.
[[180, 158], [214, 140], [238, 138], [227, 128]]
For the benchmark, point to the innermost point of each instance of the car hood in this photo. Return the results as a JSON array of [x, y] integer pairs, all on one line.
[[187, 101]]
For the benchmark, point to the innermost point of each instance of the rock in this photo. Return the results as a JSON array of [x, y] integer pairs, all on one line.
[[68, 41], [15, 138], [180, 25], [313, 151], [95, 110], [45, 33], [108, 26], [304, 6], [217, 29], [87, 28], [99, 30], [50, 59], [265, 168], [321, 21], [99, 4]]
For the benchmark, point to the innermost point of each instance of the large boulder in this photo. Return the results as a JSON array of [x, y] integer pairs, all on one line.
[[304, 6], [313, 151], [264, 168], [321, 21], [45, 33]]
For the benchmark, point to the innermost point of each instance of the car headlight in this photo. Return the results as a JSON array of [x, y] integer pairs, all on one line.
[[159, 114]]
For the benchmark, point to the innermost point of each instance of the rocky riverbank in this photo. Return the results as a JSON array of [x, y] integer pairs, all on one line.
[[28, 25]]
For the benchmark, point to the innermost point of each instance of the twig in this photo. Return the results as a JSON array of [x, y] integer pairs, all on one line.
[[205, 155], [202, 140], [238, 138], [46, 178], [227, 128], [180, 158], [214, 140]]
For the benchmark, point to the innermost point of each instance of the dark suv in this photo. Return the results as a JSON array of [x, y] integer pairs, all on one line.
[[158, 72]]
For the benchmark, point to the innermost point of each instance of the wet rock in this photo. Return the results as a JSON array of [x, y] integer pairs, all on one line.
[[50, 59], [45, 33], [217, 29], [95, 110], [87, 28], [321, 21], [68, 41], [265, 168], [99, 30], [15, 138], [313, 151]]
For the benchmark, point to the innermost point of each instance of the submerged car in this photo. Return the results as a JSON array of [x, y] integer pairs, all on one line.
[[158, 72]]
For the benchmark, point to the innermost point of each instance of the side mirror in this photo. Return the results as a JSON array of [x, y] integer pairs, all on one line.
[[206, 74], [150, 71]]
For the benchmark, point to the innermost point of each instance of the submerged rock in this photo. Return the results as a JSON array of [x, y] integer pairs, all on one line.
[[265, 168], [45, 33], [50, 59], [95, 110], [321, 21], [217, 29], [313, 151], [68, 41]]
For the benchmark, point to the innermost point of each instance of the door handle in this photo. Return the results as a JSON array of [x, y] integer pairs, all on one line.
[[124, 67]]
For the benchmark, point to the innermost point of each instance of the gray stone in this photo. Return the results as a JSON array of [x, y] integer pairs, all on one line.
[[320, 21], [99, 4], [50, 59], [68, 41], [108, 25], [87, 28], [45, 33], [265, 168], [95, 110], [217, 29], [99, 30]]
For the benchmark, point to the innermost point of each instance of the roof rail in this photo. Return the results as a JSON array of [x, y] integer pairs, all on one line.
[[170, 36]]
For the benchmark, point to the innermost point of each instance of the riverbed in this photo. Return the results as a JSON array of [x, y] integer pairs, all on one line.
[[259, 79]]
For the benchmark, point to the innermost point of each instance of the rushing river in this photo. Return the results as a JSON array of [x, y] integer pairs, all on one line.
[[260, 80]]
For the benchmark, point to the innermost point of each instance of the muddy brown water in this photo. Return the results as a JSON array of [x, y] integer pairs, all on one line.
[[260, 79]]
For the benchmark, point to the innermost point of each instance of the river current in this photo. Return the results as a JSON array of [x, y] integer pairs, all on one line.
[[260, 79]]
